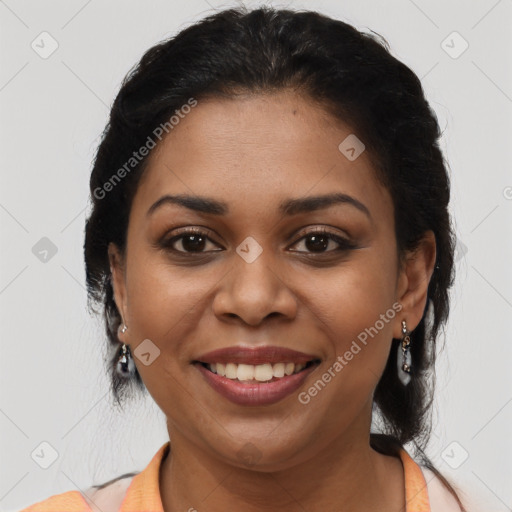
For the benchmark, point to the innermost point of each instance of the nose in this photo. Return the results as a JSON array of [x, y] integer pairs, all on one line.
[[251, 292]]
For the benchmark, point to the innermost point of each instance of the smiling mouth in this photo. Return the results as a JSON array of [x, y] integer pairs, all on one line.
[[261, 373]]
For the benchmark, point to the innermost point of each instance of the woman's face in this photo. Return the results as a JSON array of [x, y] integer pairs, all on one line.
[[260, 280]]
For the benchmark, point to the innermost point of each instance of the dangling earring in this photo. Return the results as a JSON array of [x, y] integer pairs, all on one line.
[[125, 366], [404, 367]]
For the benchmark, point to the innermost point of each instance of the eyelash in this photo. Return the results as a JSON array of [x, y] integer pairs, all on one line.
[[344, 244]]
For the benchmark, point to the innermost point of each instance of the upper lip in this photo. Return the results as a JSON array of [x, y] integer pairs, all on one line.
[[255, 356]]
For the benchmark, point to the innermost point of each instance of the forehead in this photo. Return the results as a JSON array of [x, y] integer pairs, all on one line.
[[258, 147]]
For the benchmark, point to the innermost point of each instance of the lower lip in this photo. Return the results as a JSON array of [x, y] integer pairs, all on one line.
[[255, 394]]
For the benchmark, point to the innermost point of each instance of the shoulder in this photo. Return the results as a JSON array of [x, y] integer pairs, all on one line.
[[70, 501], [440, 498], [104, 498]]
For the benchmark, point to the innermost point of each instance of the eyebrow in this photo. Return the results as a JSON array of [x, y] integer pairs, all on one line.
[[289, 207]]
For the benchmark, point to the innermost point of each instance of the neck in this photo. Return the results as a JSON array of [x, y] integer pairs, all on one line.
[[346, 475]]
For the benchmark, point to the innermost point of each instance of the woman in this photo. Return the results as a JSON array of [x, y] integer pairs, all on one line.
[[271, 245]]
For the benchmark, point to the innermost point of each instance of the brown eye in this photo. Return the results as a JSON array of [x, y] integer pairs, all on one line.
[[319, 242], [190, 241]]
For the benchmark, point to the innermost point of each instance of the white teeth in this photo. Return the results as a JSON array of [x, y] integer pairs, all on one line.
[[278, 370], [288, 369], [231, 371], [245, 372], [261, 372]]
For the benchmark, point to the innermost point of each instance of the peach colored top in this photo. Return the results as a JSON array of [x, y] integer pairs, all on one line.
[[424, 492]]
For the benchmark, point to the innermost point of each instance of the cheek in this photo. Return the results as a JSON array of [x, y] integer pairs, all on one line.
[[356, 307], [353, 297], [163, 307], [163, 302]]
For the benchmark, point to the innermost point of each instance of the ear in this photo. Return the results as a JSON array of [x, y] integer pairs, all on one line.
[[414, 278], [117, 270]]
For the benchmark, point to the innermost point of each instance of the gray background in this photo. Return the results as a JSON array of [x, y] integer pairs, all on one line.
[[52, 110]]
